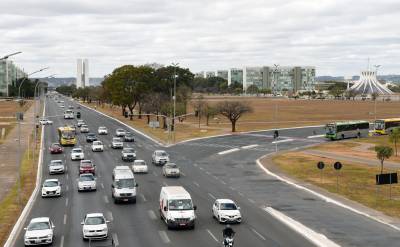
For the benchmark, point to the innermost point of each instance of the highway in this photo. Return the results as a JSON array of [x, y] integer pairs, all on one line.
[[220, 167]]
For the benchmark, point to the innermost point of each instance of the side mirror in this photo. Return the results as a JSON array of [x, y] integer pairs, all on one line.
[[165, 209], [238, 208], [82, 223], [107, 221], [112, 186], [194, 207], [137, 185], [53, 226], [25, 228]]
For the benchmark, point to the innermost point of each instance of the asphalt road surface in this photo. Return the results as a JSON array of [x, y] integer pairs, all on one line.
[[220, 167]]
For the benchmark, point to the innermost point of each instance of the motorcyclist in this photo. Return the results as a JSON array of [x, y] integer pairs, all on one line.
[[276, 134], [227, 232]]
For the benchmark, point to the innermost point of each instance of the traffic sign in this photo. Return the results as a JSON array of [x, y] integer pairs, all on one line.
[[321, 165], [337, 165]]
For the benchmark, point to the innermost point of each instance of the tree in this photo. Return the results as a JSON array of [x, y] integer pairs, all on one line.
[[233, 110], [252, 89], [374, 96], [198, 106], [382, 153], [209, 112], [394, 137], [336, 91]]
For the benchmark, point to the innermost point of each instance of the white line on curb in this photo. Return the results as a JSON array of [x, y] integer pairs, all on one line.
[[315, 136], [229, 151], [315, 237], [325, 198], [249, 146], [282, 141], [212, 235]]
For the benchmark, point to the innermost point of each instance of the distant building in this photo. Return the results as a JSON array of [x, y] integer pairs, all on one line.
[[235, 75], [82, 73], [9, 74], [222, 74]]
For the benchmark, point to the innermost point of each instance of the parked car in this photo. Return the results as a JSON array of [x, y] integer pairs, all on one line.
[[77, 154], [86, 181], [140, 166], [94, 226], [128, 137], [102, 130], [120, 132], [159, 157], [128, 154], [84, 128], [39, 231], [171, 170], [51, 187], [56, 166], [87, 166], [226, 211], [45, 121], [91, 137], [56, 148], [117, 143], [97, 146]]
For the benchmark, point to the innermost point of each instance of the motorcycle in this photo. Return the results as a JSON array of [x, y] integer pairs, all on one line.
[[228, 241]]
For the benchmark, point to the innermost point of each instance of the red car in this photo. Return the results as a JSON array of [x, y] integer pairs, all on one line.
[[56, 148], [87, 166]]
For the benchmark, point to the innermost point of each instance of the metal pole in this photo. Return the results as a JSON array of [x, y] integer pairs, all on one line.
[[337, 180], [375, 109], [19, 163], [173, 120]]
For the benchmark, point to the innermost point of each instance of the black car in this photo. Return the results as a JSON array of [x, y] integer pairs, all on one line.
[[129, 137], [91, 137]]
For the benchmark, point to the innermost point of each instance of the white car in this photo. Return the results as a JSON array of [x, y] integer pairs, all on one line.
[[94, 226], [128, 154], [226, 211], [56, 166], [120, 132], [171, 170], [51, 187], [102, 130], [45, 121], [80, 123], [160, 157], [77, 154], [97, 146], [84, 128], [86, 181], [140, 166], [117, 143], [39, 231]]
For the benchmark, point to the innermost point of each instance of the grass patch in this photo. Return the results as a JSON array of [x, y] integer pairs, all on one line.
[[356, 181]]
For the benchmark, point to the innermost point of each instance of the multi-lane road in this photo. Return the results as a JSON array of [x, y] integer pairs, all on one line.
[[220, 167]]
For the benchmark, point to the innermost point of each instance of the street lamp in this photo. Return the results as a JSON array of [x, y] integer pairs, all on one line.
[[10, 55], [173, 120], [37, 71]]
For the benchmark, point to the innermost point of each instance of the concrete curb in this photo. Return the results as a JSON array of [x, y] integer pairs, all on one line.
[[323, 197], [22, 218]]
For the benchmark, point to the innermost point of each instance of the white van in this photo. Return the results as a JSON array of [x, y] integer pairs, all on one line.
[[176, 207], [124, 185]]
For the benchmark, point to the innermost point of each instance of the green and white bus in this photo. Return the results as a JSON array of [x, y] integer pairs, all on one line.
[[342, 130]]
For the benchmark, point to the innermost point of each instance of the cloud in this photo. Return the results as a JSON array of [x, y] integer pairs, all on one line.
[[335, 36]]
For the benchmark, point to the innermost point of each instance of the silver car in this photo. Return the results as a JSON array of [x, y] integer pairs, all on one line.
[[117, 143], [171, 170], [86, 182], [56, 166]]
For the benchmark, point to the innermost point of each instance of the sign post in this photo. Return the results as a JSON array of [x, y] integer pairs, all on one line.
[[321, 166], [337, 167]]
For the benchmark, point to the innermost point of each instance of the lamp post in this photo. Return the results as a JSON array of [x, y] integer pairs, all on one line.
[[173, 119], [10, 55], [37, 71], [5, 58]]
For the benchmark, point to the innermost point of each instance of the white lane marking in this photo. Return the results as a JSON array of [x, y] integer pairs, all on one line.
[[249, 146], [164, 237], [232, 188], [183, 174], [258, 234], [152, 215], [110, 216], [67, 188], [106, 199], [201, 168], [251, 200], [282, 141], [215, 177], [315, 237], [212, 235], [212, 196], [102, 185], [115, 238], [164, 183], [197, 184], [240, 193], [144, 198], [98, 175], [155, 174], [66, 202], [195, 164], [315, 136], [65, 219], [67, 176], [208, 173], [228, 151], [62, 241], [222, 181]]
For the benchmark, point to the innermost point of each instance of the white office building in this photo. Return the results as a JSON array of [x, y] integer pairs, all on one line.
[[82, 73]]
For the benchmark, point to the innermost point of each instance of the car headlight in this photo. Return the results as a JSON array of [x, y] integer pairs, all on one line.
[[85, 230], [104, 229], [50, 235]]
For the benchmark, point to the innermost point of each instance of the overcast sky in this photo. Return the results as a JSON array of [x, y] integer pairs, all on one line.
[[336, 36]]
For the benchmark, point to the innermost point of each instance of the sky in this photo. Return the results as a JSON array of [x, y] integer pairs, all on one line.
[[335, 36]]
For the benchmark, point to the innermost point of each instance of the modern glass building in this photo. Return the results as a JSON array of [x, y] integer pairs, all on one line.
[[9, 74], [235, 76]]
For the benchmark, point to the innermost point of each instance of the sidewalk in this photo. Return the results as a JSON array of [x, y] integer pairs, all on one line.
[[9, 151]]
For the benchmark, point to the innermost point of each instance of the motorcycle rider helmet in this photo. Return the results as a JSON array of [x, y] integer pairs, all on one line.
[[227, 226]]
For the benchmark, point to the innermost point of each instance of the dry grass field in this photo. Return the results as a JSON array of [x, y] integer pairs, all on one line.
[[7, 115], [269, 113]]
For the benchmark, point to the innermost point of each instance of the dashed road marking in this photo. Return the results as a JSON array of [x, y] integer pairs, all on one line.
[[66, 202], [164, 237], [183, 174], [282, 141], [208, 173], [110, 216], [201, 168], [195, 164], [212, 196], [143, 198], [62, 241], [258, 234], [197, 184], [67, 188], [155, 174], [212, 235], [228, 151], [240, 193], [65, 219], [315, 136], [249, 146], [232, 188], [251, 200], [152, 215], [102, 185], [67, 177], [164, 183], [215, 177], [115, 238], [106, 199], [222, 181]]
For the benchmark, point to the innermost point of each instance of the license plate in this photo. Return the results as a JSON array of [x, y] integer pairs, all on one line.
[[182, 224], [125, 200]]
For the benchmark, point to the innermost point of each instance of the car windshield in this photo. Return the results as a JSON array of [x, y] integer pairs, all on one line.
[[379, 124], [228, 206], [102, 128], [116, 139], [172, 166], [95, 221], [91, 134], [77, 150], [330, 128], [56, 163], [86, 178], [86, 165], [139, 163], [125, 183], [162, 154], [128, 150], [50, 184], [38, 226], [128, 134], [180, 204], [97, 143], [68, 134], [55, 145]]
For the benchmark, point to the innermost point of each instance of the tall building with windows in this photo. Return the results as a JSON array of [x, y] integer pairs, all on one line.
[[82, 73], [9, 74], [235, 75]]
